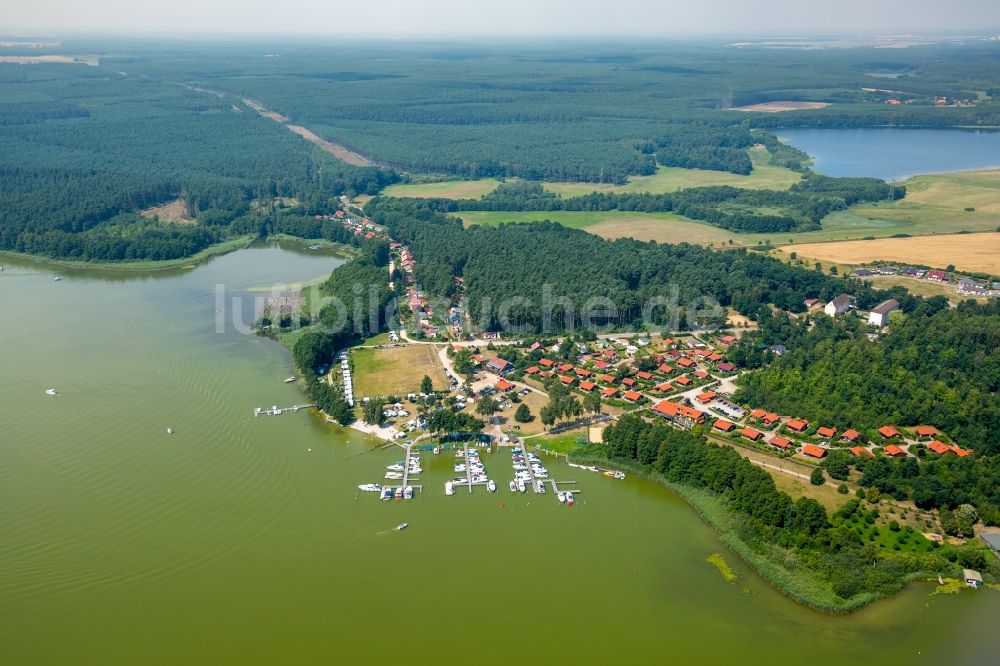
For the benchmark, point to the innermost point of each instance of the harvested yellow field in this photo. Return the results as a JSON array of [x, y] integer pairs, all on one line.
[[967, 252], [173, 211], [395, 370], [449, 189]]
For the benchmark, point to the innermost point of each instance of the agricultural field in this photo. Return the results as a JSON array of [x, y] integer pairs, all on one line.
[[926, 288], [395, 371], [449, 189], [967, 252]]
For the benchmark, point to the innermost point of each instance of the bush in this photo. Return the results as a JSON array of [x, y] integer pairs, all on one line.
[[816, 478], [842, 489]]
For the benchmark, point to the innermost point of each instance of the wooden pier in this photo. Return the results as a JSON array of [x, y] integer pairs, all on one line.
[[278, 411]]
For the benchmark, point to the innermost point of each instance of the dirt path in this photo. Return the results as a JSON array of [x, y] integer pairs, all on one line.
[[342, 153]]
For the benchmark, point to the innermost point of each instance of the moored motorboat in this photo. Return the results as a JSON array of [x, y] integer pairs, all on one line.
[[449, 488], [561, 496], [394, 475], [520, 486], [513, 486], [491, 486], [398, 494], [408, 492], [370, 487], [569, 498], [386, 493], [289, 380]]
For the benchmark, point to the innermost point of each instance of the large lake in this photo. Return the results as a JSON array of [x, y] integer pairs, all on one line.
[[241, 541], [896, 154]]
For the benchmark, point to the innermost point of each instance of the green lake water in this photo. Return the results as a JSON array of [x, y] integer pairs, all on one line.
[[243, 541]]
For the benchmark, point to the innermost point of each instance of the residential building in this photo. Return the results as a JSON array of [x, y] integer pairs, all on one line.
[[879, 316], [840, 305]]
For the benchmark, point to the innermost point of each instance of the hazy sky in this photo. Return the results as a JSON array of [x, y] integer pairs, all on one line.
[[461, 18]]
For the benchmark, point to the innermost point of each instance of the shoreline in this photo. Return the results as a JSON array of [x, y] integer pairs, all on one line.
[[716, 515]]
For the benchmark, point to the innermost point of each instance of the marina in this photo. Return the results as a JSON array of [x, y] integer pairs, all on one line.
[[473, 469], [274, 410]]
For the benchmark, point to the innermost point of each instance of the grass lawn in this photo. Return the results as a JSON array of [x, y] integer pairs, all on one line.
[[395, 371], [564, 442], [450, 189], [671, 179], [921, 287], [535, 401]]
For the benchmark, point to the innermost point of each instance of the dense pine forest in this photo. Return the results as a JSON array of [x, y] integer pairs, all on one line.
[[516, 260], [85, 149], [597, 111]]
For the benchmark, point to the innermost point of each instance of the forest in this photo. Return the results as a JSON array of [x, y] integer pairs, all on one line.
[[524, 260], [93, 148], [598, 111], [798, 536]]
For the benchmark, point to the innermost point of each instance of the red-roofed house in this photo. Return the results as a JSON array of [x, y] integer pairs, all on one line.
[[632, 396], [503, 385], [862, 452], [757, 414], [813, 451], [960, 452], [567, 380], [533, 370], [607, 379], [824, 431], [751, 434], [498, 366], [685, 362], [706, 397], [939, 276], [725, 366], [546, 363], [771, 418], [645, 376], [609, 392], [582, 372], [565, 367], [724, 426], [939, 448], [665, 387], [850, 435], [628, 381], [683, 381], [727, 339], [677, 412], [926, 431], [781, 442], [534, 346], [700, 374], [889, 432], [665, 369], [587, 386], [797, 425], [894, 451], [601, 365]]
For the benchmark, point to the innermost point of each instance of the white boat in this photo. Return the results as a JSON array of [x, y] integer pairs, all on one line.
[[541, 488], [619, 475], [370, 487], [592, 468], [520, 486], [170, 431], [437, 450], [394, 476], [569, 498], [401, 526], [449, 488], [57, 278], [50, 391], [386, 493], [513, 486], [491, 486], [561, 496], [399, 493], [256, 411], [408, 492], [395, 467]]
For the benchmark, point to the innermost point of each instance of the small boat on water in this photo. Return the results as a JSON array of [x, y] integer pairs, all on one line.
[[386, 493], [408, 492], [394, 476], [370, 488], [513, 486], [449, 488], [608, 473], [437, 450], [290, 379], [399, 493], [569, 498], [57, 278], [395, 468], [401, 526], [491, 486], [540, 487], [170, 431], [592, 468], [520, 486], [561, 496], [620, 475], [50, 392]]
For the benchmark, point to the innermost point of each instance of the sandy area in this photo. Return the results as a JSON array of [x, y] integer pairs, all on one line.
[[335, 149], [35, 60], [172, 211], [777, 107], [968, 252], [259, 108]]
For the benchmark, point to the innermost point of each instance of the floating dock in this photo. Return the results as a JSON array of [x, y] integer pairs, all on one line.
[[274, 410]]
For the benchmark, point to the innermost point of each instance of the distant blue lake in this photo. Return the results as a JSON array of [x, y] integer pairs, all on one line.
[[891, 153]]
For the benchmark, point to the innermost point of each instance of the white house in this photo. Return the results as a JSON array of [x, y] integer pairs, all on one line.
[[839, 305], [879, 316]]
